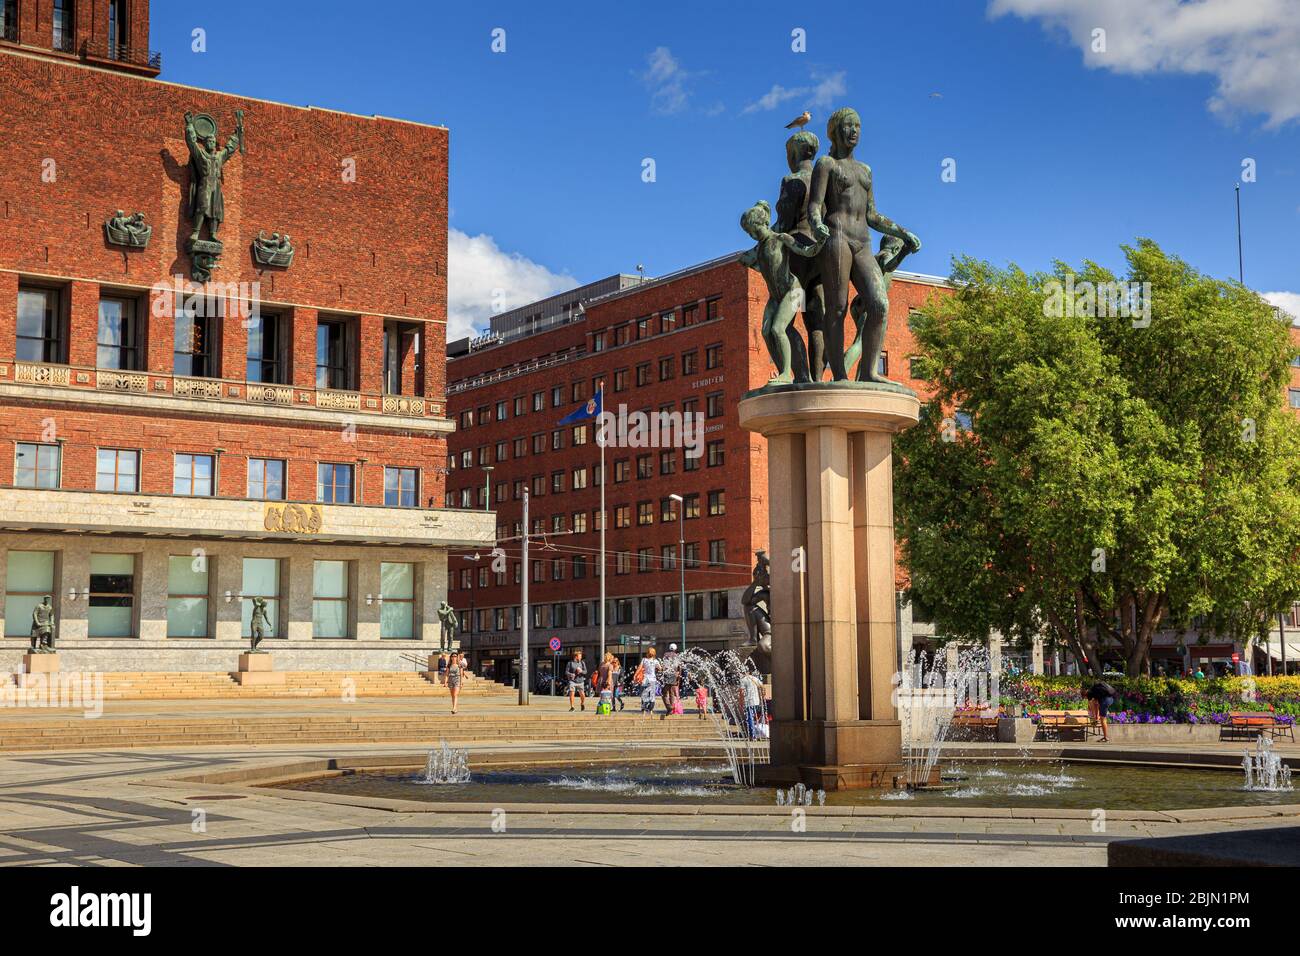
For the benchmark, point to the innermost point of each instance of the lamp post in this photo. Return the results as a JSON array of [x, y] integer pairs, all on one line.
[[681, 562]]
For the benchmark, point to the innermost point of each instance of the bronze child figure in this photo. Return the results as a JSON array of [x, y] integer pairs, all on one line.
[[771, 258]]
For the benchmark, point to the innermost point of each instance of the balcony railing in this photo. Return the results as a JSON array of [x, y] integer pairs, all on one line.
[[121, 53], [65, 43]]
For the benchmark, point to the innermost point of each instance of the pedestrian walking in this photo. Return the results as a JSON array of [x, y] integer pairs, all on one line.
[[442, 669], [616, 680], [576, 676], [646, 674], [670, 678], [454, 672], [754, 708]]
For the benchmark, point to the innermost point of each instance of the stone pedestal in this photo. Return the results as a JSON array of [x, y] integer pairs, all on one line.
[[43, 664], [257, 670], [831, 538]]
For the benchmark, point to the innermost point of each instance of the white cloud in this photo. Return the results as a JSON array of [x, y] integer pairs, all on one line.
[[667, 81], [821, 94], [480, 273], [1248, 46], [1288, 302]]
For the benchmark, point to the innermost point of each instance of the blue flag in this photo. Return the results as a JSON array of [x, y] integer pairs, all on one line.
[[585, 413]]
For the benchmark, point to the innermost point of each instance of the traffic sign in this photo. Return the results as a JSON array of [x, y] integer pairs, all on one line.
[[555, 644]]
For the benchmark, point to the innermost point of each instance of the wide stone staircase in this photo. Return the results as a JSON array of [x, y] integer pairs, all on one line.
[[181, 732], [207, 685]]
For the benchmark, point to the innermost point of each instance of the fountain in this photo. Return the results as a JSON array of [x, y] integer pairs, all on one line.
[[927, 699], [725, 674], [799, 796], [447, 765], [1264, 768]]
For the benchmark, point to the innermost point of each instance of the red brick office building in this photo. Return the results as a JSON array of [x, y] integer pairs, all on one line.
[[171, 448], [686, 343]]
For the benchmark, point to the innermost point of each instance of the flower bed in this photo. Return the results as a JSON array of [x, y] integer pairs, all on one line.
[[1159, 700]]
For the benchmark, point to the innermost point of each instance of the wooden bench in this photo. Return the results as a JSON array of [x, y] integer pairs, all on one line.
[[1055, 723], [974, 725], [1253, 723]]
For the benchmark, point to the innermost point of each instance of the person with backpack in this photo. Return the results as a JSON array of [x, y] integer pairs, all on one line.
[[1101, 697], [670, 678], [645, 675]]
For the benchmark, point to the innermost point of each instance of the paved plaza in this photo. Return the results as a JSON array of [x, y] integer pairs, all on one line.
[[136, 806]]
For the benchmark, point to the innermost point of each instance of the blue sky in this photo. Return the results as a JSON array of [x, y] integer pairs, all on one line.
[[1061, 151]]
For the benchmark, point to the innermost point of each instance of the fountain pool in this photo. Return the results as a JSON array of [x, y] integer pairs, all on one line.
[[1002, 783]]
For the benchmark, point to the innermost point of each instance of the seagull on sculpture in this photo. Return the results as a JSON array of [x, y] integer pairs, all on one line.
[[799, 121]]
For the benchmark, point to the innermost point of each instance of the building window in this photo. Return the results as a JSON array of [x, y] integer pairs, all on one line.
[[623, 516], [690, 363], [187, 596], [1293, 397], [718, 552], [118, 33], [695, 607], [718, 605], [620, 380], [333, 483], [329, 606], [643, 374], [666, 368], [539, 444], [713, 405], [266, 479], [667, 321], [112, 595], [667, 462], [539, 401], [557, 396], [401, 487], [645, 466], [261, 579], [36, 466], [401, 343], [691, 314], [334, 362], [117, 470], [193, 354], [266, 342], [713, 356], [716, 453], [579, 435], [579, 519], [622, 470], [192, 475], [691, 506], [557, 482], [520, 447], [645, 513], [521, 407], [598, 341], [397, 607], [667, 509], [29, 577], [717, 503], [711, 309], [65, 20], [623, 562], [691, 554], [579, 479], [119, 335], [668, 557], [40, 325], [645, 560]]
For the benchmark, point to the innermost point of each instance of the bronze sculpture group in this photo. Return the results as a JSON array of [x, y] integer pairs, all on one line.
[[818, 246]]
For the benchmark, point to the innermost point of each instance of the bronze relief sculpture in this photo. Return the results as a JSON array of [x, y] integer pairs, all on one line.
[[130, 231], [272, 250]]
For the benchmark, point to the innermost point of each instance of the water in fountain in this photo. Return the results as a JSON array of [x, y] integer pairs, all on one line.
[[447, 765], [928, 696], [725, 674], [1264, 768], [800, 796]]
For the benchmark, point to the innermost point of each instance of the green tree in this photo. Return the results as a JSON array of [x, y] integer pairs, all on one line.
[[1095, 476]]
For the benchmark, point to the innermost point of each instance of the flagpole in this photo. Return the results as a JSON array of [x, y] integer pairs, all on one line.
[[604, 520]]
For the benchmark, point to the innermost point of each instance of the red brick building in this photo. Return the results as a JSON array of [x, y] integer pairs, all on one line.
[[685, 343], [171, 449]]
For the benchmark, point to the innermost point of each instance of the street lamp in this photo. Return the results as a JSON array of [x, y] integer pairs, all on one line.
[[487, 487], [681, 561]]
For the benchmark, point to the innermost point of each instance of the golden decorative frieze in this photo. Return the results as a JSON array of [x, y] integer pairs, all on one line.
[[42, 374], [196, 388], [122, 381], [292, 519], [343, 401]]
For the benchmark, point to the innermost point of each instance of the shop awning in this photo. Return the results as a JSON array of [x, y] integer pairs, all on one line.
[[1275, 650]]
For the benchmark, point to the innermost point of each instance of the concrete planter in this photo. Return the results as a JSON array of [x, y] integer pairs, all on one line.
[[1015, 730]]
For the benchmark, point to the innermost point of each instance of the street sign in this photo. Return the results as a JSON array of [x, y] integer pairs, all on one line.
[[555, 644]]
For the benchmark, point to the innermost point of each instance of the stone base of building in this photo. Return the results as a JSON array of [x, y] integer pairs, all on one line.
[[194, 655], [836, 754]]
